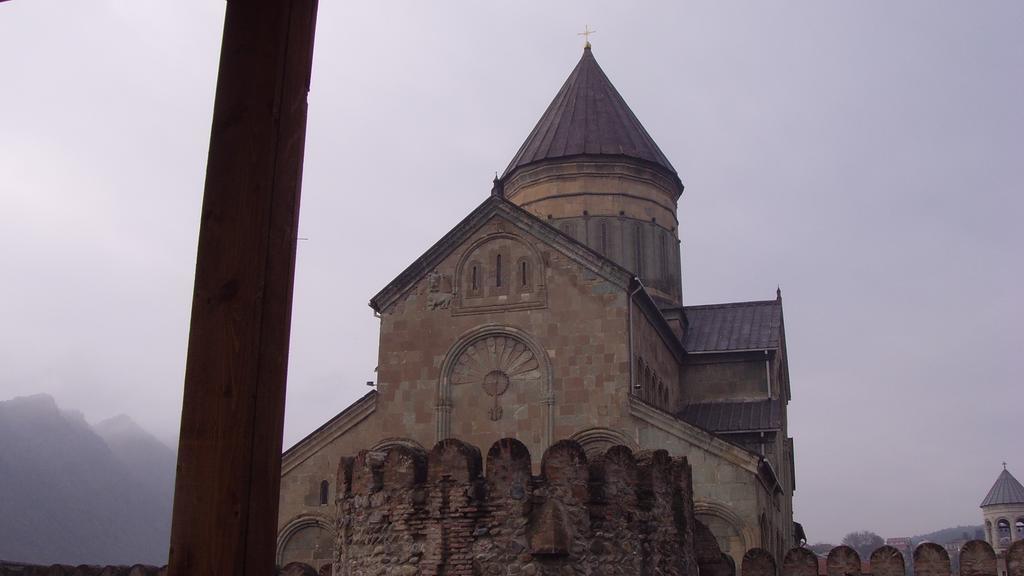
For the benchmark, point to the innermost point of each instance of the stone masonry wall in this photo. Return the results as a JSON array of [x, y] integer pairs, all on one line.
[[576, 337], [15, 569], [404, 512], [976, 559]]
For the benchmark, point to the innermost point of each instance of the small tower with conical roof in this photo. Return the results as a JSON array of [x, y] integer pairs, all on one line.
[[591, 169], [1003, 509]]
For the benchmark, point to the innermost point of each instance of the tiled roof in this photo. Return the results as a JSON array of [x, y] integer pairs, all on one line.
[[1006, 490], [734, 326], [588, 116], [735, 416]]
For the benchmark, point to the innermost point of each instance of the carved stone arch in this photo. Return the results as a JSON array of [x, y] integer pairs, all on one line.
[[712, 513], [711, 561], [1004, 531], [387, 443], [595, 441], [509, 296], [297, 525], [481, 334]]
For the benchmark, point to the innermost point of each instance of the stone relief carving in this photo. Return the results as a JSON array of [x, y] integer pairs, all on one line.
[[439, 291], [496, 363]]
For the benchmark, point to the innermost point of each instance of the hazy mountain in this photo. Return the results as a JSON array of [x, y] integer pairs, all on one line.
[[147, 459], [71, 493], [950, 535]]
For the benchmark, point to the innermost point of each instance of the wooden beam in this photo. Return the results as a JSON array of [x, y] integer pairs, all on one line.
[[229, 454]]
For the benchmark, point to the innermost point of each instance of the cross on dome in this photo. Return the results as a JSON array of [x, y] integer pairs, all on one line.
[[586, 35]]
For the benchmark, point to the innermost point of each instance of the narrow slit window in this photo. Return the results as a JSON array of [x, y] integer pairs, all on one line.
[[497, 274], [472, 281], [638, 249], [663, 254], [523, 277], [325, 489]]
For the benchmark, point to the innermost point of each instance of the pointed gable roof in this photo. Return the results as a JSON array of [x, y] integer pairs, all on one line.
[[492, 206], [1006, 490], [588, 116], [496, 205]]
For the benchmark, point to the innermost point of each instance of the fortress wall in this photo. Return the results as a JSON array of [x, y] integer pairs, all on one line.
[[15, 569], [404, 512], [977, 558]]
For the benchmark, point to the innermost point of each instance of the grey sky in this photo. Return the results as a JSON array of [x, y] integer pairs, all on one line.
[[866, 156]]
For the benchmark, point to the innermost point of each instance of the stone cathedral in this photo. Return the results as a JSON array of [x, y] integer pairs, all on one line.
[[554, 310]]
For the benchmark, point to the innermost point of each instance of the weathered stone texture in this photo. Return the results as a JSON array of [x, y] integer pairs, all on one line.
[[403, 513], [297, 569], [800, 562], [930, 559], [1015, 559], [708, 555], [624, 210], [887, 561], [758, 562], [735, 376], [576, 336], [657, 370], [977, 559], [843, 561]]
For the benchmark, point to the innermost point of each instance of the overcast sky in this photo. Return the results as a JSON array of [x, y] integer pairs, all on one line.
[[866, 156]]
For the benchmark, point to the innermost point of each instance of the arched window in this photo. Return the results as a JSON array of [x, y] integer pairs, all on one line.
[[1020, 527], [325, 492], [1003, 528], [988, 532]]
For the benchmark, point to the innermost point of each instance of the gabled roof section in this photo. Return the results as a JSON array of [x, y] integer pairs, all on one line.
[[495, 205], [588, 117], [736, 416], [1006, 490], [734, 326]]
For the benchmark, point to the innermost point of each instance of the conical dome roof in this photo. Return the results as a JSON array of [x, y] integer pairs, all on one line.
[[588, 117], [1006, 490]]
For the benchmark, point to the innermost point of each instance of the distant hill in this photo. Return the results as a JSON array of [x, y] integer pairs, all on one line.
[[75, 494], [949, 535]]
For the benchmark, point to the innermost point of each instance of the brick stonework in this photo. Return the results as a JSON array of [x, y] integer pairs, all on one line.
[[406, 512]]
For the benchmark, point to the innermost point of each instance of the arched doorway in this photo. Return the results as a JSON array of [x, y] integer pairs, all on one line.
[[309, 539]]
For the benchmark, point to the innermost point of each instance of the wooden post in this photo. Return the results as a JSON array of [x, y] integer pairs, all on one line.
[[229, 454]]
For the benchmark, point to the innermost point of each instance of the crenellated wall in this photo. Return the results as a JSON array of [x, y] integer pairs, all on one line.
[[15, 569], [976, 559], [406, 512]]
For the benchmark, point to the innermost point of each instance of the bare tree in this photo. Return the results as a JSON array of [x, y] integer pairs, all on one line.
[[864, 542]]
